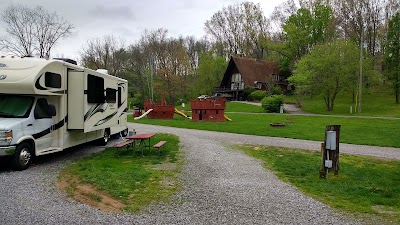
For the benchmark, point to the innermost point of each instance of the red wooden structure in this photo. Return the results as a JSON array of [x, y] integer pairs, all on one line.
[[161, 110], [209, 109]]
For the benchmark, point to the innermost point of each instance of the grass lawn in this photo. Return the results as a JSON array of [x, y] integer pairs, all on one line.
[[135, 181], [380, 105], [243, 107], [378, 132], [365, 186]]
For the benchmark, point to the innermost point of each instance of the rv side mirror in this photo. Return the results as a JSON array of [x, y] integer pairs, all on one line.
[[52, 110]]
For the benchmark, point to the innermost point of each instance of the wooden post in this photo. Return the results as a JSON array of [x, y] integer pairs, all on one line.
[[333, 154], [322, 169]]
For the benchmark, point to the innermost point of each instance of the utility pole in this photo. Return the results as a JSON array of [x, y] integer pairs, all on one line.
[[360, 77]]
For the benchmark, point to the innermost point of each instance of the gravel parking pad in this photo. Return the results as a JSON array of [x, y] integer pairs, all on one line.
[[219, 186]]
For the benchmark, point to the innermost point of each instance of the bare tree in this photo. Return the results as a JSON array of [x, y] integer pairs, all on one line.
[[32, 31], [105, 53], [238, 29]]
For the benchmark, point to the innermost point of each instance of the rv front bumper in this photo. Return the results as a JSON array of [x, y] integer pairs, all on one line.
[[9, 150]]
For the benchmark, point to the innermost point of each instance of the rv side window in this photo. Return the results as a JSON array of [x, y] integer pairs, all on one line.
[[111, 95], [119, 97], [42, 109], [95, 89], [52, 80]]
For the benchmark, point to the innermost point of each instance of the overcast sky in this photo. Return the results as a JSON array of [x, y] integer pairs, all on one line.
[[129, 18]]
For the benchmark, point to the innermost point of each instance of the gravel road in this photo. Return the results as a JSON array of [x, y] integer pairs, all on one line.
[[219, 186]]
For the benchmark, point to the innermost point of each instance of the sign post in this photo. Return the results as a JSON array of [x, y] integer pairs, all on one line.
[[330, 151]]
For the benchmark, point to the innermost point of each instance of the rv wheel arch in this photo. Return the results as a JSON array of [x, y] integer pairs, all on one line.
[[23, 155]]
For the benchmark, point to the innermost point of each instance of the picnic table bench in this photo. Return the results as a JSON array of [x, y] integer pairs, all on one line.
[[159, 145], [141, 138], [123, 144]]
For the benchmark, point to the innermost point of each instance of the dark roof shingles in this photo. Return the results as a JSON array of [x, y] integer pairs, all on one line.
[[255, 70]]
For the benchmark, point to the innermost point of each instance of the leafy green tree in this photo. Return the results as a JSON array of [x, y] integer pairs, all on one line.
[[392, 54], [306, 28], [209, 74], [329, 69]]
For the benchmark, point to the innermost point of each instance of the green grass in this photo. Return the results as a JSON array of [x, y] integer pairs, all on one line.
[[365, 186], [379, 105], [243, 107], [133, 181], [377, 132]]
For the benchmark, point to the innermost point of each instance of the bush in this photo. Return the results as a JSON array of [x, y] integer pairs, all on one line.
[[276, 90], [258, 95], [137, 101], [272, 104], [247, 92]]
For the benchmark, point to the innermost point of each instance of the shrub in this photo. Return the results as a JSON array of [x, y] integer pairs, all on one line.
[[247, 92], [272, 104], [137, 101], [258, 95], [276, 90]]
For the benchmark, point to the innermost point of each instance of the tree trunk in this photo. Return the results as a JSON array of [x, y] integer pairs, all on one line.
[[397, 92]]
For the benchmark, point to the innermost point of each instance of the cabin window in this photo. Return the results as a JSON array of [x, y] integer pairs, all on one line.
[[95, 89], [41, 109], [237, 78], [237, 82], [259, 85], [52, 80], [111, 95], [276, 77]]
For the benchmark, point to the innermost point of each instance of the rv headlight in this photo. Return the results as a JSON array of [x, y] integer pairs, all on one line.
[[5, 137]]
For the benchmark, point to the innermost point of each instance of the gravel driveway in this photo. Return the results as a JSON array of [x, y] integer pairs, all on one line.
[[220, 186]]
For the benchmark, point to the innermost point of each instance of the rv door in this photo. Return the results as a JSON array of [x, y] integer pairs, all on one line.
[[43, 124]]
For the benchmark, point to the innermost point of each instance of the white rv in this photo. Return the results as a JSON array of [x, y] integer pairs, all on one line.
[[47, 106]]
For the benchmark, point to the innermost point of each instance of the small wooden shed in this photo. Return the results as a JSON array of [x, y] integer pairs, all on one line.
[[208, 109]]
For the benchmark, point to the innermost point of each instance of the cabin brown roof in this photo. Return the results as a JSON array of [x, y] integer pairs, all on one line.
[[255, 70], [250, 69]]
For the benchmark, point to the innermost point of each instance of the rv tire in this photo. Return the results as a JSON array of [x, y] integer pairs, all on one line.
[[22, 157], [106, 137], [124, 133]]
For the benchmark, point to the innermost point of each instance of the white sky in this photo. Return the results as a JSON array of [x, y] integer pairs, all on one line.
[[129, 18]]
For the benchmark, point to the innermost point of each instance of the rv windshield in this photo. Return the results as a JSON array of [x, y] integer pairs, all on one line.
[[15, 106]]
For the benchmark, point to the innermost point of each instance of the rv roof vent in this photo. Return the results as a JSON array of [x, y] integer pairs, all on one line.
[[67, 60], [102, 71]]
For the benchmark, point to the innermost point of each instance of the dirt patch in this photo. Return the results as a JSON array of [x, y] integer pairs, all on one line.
[[166, 166], [88, 194], [383, 209]]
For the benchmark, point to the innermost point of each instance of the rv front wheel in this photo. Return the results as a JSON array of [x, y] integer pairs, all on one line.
[[22, 157]]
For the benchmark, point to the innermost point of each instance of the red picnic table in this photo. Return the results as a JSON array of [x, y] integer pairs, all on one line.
[[142, 141]]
